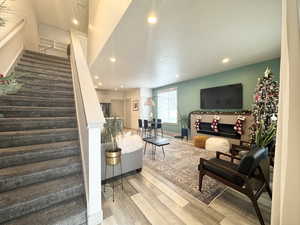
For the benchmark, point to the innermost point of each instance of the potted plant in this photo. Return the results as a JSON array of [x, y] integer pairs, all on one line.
[[184, 123], [265, 136], [113, 153]]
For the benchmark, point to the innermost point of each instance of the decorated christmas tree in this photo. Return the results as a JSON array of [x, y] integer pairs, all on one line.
[[265, 103]]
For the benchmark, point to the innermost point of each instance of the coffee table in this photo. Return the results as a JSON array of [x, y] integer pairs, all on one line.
[[156, 142]]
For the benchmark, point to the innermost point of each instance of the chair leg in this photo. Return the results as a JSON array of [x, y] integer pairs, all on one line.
[[145, 148], [201, 175], [163, 150], [257, 210]]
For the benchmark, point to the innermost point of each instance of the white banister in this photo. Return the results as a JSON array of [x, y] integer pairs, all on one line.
[[90, 122]]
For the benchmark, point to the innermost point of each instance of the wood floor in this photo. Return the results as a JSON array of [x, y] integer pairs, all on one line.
[[148, 198]]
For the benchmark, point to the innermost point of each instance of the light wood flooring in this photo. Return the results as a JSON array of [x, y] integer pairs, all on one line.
[[148, 198]]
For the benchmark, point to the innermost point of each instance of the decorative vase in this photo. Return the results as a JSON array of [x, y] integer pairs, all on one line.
[[113, 157], [184, 132]]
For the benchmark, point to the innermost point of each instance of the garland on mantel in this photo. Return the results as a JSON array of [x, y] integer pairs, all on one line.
[[199, 112]]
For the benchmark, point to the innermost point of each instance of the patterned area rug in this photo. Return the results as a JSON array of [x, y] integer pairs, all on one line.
[[181, 168]]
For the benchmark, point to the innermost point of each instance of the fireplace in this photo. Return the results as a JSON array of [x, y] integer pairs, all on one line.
[[225, 130]]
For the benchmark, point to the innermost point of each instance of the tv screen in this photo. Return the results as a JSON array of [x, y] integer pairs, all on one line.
[[223, 97]]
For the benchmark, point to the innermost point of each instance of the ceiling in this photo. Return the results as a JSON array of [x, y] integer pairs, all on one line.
[[189, 40], [60, 13]]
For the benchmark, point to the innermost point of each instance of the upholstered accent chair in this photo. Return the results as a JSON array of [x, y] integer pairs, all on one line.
[[250, 176]]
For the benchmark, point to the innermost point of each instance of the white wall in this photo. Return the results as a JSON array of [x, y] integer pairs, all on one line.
[[145, 110], [106, 96], [104, 15], [54, 33], [18, 38], [25, 9], [286, 181], [10, 51], [132, 96], [117, 108]]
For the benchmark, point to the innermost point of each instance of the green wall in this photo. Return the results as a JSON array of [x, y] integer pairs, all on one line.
[[189, 91]]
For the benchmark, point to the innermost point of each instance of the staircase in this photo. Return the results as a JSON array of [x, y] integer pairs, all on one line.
[[41, 179]]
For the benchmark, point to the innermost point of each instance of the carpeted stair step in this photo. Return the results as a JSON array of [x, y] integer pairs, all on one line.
[[16, 100], [31, 137], [44, 67], [26, 200], [24, 175], [28, 70], [15, 156], [67, 213], [31, 111], [45, 60], [38, 85], [31, 123], [42, 78], [47, 69], [44, 93], [42, 56], [45, 63]]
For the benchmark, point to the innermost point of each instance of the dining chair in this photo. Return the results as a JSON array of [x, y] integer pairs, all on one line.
[[140, 127], [147, 128], [159, 126]]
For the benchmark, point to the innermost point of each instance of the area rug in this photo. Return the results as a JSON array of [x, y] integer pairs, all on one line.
[[180, 167]]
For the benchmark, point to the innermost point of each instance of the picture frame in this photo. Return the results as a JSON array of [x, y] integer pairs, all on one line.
[[135, 106]]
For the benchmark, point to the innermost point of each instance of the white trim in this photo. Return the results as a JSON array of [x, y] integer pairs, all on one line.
[[166, 90], [19, 26], [14, 61]]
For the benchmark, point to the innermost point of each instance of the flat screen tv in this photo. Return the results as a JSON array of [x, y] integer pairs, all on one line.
[[223, 97]]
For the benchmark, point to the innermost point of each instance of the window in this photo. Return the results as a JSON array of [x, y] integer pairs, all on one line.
[[167, 105]]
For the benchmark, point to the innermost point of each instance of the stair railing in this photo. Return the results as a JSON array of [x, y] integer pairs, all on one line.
[[49, 44], [90, 122]]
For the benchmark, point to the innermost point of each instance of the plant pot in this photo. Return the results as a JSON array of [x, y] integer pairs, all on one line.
[[113, 157], [184, 132]]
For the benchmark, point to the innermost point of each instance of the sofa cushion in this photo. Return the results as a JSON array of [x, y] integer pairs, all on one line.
[[223, 173]]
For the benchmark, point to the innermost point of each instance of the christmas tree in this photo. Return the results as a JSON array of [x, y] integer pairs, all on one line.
[[265, 106]]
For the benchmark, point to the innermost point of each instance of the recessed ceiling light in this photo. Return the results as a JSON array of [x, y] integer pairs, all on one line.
[[96, 77], [177, 75], [99, 83], [152, 19], [112, 59], [75, 21], [225, 60]]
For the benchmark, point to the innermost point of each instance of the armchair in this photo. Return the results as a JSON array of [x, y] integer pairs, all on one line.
[[253, 168]]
